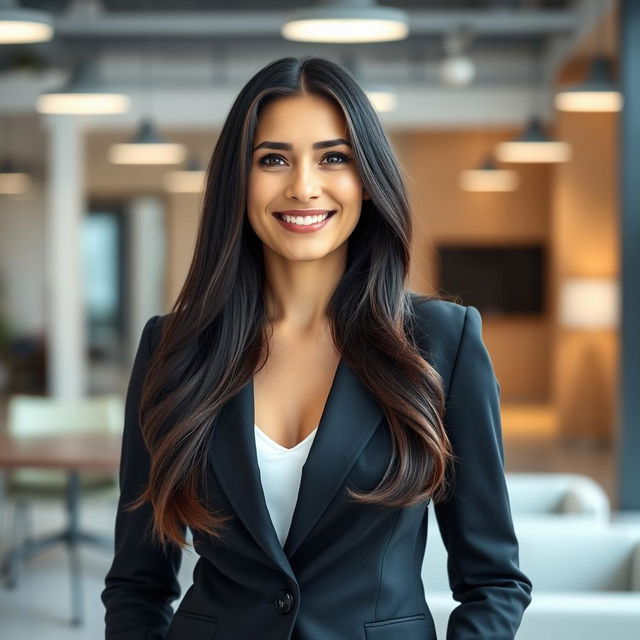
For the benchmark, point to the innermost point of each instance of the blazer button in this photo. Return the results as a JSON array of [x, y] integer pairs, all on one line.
[[284, 601]]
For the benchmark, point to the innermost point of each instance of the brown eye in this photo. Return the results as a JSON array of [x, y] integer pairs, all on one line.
[[263, 161], [336, 154], [266, 160]]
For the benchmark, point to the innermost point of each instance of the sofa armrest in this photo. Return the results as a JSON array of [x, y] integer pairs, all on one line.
[[584, 495]]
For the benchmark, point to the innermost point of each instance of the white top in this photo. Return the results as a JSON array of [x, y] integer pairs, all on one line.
[[280, 473]]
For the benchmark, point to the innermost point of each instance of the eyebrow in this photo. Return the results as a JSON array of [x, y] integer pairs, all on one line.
[[323, 144]]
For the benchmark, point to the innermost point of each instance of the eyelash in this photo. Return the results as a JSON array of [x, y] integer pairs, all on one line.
[[262, 161]]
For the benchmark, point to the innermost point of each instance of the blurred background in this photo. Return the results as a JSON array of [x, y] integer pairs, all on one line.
[[517, 123]]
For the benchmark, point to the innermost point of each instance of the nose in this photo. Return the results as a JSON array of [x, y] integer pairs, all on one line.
[[304, 184]]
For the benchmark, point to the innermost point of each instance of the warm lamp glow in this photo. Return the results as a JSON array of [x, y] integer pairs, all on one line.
[[589, 303], [489, 180], [520, 151], [344, 30], [84, 93], [141, 153], [82, 103], [598, 92], [147, 147], [23, 31], [589, 101], [534, 145]]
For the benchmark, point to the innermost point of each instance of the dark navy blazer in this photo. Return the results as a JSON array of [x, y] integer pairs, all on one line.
[[347, 571]]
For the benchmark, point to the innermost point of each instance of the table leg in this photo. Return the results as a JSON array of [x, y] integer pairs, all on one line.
[[3, 498], [73, 500], [72, 536]]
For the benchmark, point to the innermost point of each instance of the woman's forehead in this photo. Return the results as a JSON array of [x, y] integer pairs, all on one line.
[[302, 118]]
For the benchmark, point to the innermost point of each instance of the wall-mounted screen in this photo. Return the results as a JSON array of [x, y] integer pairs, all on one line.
[[495, 279]]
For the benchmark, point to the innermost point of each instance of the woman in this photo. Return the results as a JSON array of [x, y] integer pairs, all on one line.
[[295, 341]]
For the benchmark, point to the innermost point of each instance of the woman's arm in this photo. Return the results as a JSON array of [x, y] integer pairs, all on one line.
[[142, 581], [475, 521]]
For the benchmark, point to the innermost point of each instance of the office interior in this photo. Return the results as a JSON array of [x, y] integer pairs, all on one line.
[[545, 248]]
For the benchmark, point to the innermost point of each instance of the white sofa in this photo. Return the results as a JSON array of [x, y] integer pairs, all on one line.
[[586, 582], [569, 498]]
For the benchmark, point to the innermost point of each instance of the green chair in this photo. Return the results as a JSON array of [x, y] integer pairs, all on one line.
[[32, 416]]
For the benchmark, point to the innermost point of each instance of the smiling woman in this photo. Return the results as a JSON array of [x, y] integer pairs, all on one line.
[[292, 193], [300, 407]]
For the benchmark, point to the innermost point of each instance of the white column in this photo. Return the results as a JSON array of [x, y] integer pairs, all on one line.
[[146, 223], [64, 304]]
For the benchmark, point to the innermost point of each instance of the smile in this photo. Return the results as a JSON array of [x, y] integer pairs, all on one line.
[[303, 223]]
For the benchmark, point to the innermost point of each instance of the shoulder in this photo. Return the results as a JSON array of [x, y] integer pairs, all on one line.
[[439, 327], [441, 320], [152, 331], [434, 309]]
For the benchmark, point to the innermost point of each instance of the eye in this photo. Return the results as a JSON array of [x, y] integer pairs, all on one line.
[[266, 160], [336, 154], [263, 161]]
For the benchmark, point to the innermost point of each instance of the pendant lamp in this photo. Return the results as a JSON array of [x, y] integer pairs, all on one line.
[[489, 178], [188, 180], [533, 146], [457, 69], [346, 21], [18, 25], [147, 147], [597, 93], [83, 94]]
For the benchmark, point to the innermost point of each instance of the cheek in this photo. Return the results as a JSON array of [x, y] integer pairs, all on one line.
[[349, 186], [261, 192], [256, 189], [256, 203]]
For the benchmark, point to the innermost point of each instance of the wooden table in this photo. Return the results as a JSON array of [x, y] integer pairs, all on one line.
[[72, 454]]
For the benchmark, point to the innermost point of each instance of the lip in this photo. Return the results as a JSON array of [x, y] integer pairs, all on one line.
[[303, 212], [309, 228]]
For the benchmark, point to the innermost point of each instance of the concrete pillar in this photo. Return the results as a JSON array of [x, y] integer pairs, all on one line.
[[146, 259], [64, 304], [629, 140]]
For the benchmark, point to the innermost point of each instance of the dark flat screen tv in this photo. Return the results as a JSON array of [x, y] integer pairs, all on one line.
[[495, 279]]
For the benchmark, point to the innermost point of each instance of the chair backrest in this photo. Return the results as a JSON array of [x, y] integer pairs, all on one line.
[[29, 415], [557, 494]]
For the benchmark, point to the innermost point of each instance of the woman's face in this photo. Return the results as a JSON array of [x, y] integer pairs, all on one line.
[[302, 161]]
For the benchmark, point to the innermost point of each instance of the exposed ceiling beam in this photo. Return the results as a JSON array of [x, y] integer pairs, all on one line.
[[206, 106], [560, 32], [494, 22]]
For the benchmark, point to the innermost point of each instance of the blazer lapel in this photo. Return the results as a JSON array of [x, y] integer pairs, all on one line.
[[348, 421], [235, 463]]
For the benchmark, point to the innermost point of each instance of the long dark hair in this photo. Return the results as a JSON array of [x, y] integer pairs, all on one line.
[[212, 340]]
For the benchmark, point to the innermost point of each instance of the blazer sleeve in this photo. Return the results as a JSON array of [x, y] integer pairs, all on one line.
[[142, 581], [475, 521]]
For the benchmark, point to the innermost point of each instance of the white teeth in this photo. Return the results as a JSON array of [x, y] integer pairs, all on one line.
[[305, 220]]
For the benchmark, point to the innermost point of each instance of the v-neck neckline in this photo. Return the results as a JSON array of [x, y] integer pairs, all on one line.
[[281, 447], [336, 373], [338, 442]]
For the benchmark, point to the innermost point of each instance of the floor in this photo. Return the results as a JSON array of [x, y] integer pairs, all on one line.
[[40, 606], [45, 612]]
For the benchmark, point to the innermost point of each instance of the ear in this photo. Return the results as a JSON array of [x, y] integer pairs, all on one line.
[[365, 195]]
